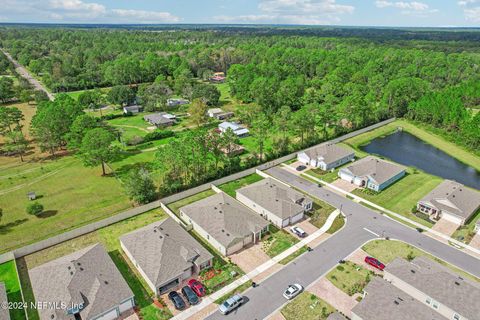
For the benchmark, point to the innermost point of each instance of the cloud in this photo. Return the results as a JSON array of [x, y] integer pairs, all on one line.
[[413, 5], [467, 2], [294, 12], [471, 10], [145, 16]]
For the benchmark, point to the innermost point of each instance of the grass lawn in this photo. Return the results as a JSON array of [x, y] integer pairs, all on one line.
[[319, 214], [387, 250], [337, 224], [219, 276], [175, 206], [307, 306], [238, 290], [327, 176], [9, 276], [76, 94], [107, 236], [230, 187], [294, 255], [466, 233], [350, 277], [277, 241], [404, 194]]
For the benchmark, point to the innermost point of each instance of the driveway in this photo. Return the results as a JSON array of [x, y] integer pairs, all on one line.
[[338, 299], [444, 226], [344, 185], [358, 257], [303, 224], [476, 241], [250, 258]]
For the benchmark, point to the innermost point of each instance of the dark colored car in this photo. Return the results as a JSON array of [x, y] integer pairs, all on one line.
[[177, 300], [301, 168], [190, 295], [375, 263], [197, 287]]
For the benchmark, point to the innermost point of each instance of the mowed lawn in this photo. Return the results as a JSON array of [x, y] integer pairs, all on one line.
[[277, 241], [307, 306], [8, 275], [350, 277], [72, 195], [230, 188]]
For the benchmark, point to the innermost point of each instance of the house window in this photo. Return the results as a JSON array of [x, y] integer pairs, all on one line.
[[456, 316]]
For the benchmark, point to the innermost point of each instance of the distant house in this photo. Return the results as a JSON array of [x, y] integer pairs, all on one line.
[[234, 150], [218, 77], [87, 282], [275, 201], [326, 156], [239, 130], [4, 313], [165, 254], [372, 173], [452, 201], [176, 102], [219, 114], [224, 222], [436, 287], [160, 119], [132, 109], [382, 300]]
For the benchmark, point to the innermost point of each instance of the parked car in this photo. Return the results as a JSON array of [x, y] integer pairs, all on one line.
[[301, 168], [375, 263], [292, 291], [177, 300], [298, 231], [231, 304], [190, 295], [197, 287]]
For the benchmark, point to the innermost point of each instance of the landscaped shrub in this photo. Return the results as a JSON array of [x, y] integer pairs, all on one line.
[[135, 140], [158, 135], [35, 208]]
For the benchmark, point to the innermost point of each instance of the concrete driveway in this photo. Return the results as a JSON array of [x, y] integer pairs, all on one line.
[[344, 185], [444, 226], [250, 258], [476, 241], [305, 225], [358, 257], [338, 299]]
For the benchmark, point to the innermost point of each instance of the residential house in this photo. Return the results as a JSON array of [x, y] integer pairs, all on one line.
[[218, 77], [132, 109], [336, 316], [173, 102], [436, 286], [451, 201], [326, 156], [382, 300], [372, 173], [224, 222], [239, 130], [4, 312], [160, 119], [165, 254], [83, 285], [219, 114], [275, 201]]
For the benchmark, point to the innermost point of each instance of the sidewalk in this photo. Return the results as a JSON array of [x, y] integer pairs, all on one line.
[[453, 242], [207, 301]]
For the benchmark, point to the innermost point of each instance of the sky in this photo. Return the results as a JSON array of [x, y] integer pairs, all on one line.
[[419, 13]]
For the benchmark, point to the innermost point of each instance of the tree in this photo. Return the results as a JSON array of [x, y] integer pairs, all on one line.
[[10, 120], [260, 129], [154, 96], [207, 92], [97, 149], [139, 186], [35, 208], [80, 126], [16, 143], [91, 99], [401, 92], [121, 95], [40, 96], [198, 112], [7, 91]]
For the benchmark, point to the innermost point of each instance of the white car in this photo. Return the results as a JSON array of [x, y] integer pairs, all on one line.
[[292, 291], [231, 304], [298, 231]]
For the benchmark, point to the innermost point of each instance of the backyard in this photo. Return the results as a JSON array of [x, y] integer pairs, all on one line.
[[350, 277], [231, 187], [175, 206], [307, 306], [8, 275]]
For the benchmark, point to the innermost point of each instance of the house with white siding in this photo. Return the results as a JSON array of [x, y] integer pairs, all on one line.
[[326, 156]]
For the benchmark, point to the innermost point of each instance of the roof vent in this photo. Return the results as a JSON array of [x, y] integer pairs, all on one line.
[[223, 230], [160, 228], [412, 271], [79, 264], [81, 269], [52, 316], [228, 234], [396, 302], [215, 208], [167, 235], [460, 278], [69, 268], [106, 282], [154, 230], [71, 273], [457, 283], [160, 237]]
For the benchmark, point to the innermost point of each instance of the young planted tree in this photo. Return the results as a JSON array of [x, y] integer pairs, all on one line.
[[16, 143], [198, 112], [7, 91], [35, 208], [97, 149], [140, 187]]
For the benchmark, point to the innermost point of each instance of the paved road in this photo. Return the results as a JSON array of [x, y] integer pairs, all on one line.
[[25, 74], [266, 298]]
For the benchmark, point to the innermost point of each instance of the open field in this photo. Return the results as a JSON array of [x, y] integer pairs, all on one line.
[[350, 277], [307, 306], [8, 275]]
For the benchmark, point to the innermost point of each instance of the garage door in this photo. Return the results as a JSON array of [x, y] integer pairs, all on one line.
[[345, 176], [127, 305], [109, 316], [296, 218], [451, 218]]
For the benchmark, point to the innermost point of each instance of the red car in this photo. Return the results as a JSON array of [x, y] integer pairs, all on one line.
[[375, 263], [197, 287]]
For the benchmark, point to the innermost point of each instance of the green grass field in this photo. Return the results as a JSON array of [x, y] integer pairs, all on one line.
[[307, 306], [175, 206], [9, 276], [230, 188], [277, 241], [350, 277], [319, 214], [293, 256], [337, 224]]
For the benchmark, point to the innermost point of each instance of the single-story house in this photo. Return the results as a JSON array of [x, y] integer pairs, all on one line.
[[372, 173], [218, 77], [450, 295], [173, 102], [165, 254], [275, 201], [225, 223], [160, 119], [239, 130], [4, 312], [132, 109], [326, 156], [83, 285], [452, 201], [219, 114], [382, 300]]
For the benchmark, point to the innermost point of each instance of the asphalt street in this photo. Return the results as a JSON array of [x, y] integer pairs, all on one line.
[[363, 224]]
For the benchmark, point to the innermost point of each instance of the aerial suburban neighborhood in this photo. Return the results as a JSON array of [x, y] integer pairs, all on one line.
[[278, 160]]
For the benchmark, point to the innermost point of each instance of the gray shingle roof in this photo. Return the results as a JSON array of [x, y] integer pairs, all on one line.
[[132, 108], [158, 118], [4, 313], [164, 250], [384, 299], [377, 169], [336, 316], [439, 283], [455, 198], [224, 218], [329, 153], [275, 197], [87, 276]]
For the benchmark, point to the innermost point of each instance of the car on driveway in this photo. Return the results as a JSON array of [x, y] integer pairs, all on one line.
[[176, 300], [375, 263], [292, 291], [191, 297], [197, 287], [301, 167], [298, 231], [231, 304]]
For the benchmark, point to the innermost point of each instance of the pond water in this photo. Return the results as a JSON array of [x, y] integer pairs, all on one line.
[[407, 149]]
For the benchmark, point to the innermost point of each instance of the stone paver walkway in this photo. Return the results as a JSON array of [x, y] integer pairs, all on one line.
[[341, 301]]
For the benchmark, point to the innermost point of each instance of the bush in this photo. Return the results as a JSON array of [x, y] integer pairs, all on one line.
[[158, 135], [112, 116], [135, 140], [35, 208]]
